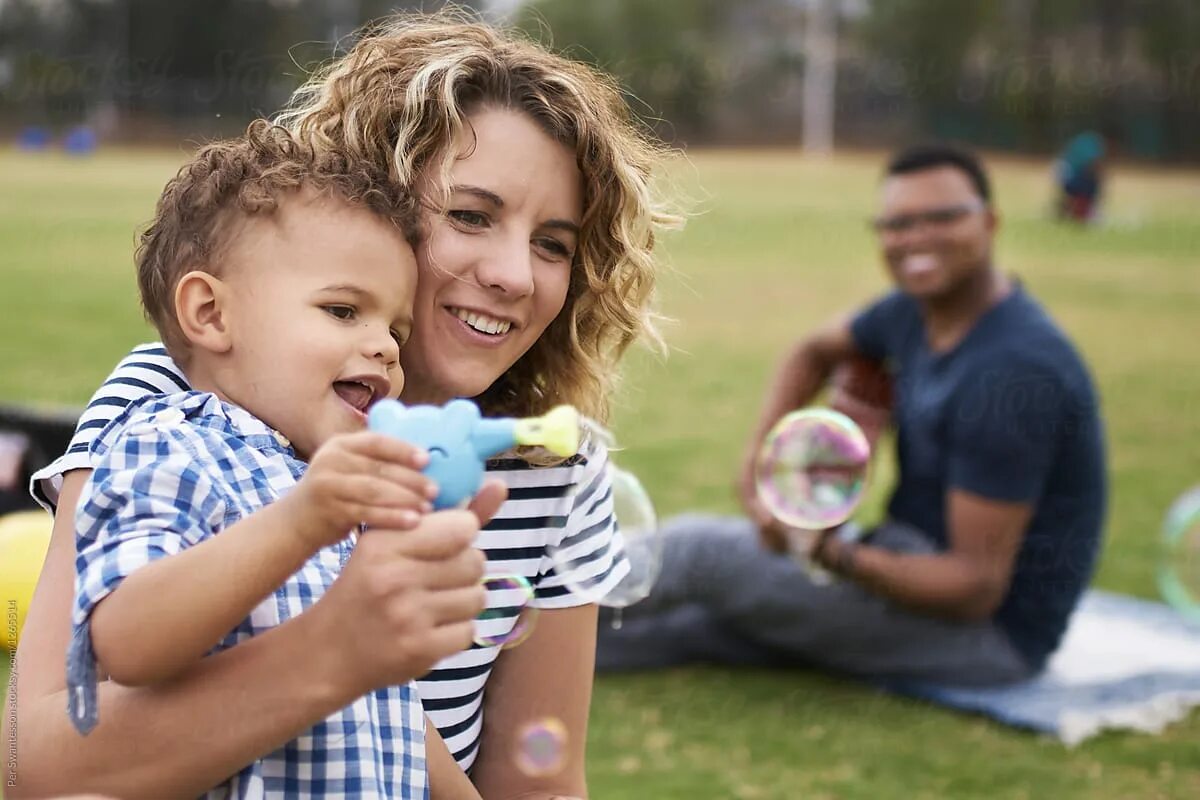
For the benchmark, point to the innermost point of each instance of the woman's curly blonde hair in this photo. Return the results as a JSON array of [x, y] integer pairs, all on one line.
[[402, 96]]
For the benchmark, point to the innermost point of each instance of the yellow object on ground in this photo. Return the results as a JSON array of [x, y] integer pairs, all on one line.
[[24, 539]]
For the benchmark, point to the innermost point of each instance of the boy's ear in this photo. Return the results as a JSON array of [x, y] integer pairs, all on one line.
[[200, 308]]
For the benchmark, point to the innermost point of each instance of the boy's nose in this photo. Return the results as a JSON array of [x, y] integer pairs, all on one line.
[[383, 347]]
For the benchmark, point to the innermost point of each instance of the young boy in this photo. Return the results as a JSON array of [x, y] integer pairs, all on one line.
[[282, 282]]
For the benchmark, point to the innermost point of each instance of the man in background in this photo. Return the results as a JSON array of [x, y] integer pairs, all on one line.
[[994, 525]]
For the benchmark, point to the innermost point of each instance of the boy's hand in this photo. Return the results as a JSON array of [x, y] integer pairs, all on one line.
[[358, 478]]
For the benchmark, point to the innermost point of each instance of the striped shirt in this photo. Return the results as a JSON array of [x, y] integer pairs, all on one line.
[[171, 472], [547, 508]]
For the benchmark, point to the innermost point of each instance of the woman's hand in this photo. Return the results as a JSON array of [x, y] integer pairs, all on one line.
[[405, 600]]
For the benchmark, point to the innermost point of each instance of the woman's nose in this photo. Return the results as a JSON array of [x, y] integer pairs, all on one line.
[[508, 267]]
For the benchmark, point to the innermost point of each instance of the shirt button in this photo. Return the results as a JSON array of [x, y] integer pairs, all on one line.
[[167, 418], [170, 417], [281, 439]]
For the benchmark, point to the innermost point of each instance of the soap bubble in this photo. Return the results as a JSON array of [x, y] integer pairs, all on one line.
[[1179, 566], [639, 539], [812, 469], [541, 748], [492, 627]]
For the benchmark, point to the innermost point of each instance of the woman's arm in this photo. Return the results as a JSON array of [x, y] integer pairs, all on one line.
[[447, 781], [239, 704], [549, 675]]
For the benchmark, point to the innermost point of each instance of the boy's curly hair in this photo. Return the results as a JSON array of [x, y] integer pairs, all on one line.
[[197, 213]]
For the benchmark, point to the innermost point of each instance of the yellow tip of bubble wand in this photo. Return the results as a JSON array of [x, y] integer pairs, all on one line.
[[557, 430]]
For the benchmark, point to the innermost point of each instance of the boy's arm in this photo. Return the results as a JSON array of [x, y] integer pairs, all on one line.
[[241, 703], [169, 614]]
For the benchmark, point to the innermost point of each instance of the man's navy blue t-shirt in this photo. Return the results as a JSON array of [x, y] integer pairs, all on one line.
[[1008, 414]]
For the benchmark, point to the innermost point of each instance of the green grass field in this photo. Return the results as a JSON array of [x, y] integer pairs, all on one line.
[[777, 245]]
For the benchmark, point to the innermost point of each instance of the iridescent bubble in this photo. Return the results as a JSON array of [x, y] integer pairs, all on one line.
[[812, 469], [1179, 567], [541, 747], [638, 539], [496, 626]]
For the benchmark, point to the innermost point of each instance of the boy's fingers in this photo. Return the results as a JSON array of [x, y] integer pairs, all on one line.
[[409, 478], [386, 448], [359, 463], [393, 519], [371, 493]]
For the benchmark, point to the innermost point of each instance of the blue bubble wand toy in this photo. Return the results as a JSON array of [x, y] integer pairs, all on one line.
[[459, 441]]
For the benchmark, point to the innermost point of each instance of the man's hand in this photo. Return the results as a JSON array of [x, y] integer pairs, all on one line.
[[771, 532], [830, 551], [358, 478]]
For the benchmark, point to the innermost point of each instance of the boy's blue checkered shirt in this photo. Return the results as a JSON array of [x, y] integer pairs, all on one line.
[[172, 471]]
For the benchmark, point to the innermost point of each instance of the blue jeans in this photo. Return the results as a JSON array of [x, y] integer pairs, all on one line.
[[722, 598]]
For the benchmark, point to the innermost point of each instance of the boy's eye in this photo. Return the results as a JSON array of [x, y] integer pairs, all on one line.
[[400, 340], [340, 312]]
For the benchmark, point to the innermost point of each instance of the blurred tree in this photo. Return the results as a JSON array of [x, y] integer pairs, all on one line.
[[1169, 34], [927, 40], [1018, 74], [669, 54]]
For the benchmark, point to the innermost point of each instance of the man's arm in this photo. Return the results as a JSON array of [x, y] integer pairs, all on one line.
[[966, 583], [802, 373]]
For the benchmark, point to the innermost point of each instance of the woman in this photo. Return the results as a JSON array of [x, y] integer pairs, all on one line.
[[535, 275]]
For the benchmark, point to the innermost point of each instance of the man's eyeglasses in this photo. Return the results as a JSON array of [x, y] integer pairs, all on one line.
[[934, 217]]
